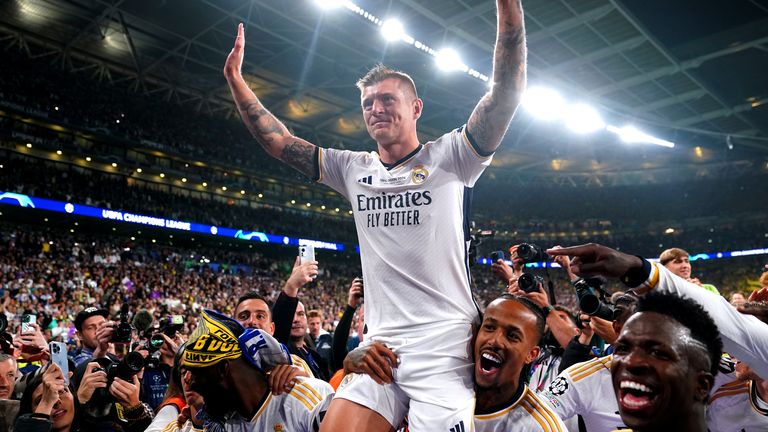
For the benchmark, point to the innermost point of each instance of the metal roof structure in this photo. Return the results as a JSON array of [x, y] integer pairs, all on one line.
[[692, 72]]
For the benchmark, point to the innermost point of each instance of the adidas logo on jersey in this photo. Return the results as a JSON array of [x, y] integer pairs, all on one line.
[[366, 180], [459, 427]]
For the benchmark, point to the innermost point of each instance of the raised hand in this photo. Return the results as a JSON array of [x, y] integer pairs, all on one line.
[[234, 64]]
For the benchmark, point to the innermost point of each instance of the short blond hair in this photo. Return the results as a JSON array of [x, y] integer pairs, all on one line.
[[380, 72], [672, 254], [764, 279], [315, 313]]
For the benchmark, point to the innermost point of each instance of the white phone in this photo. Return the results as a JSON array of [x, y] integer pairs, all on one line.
[[59, 357], [306, 253], [26, 320]]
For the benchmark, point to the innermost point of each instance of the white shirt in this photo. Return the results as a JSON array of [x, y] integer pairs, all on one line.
[[412, 222], [734, 405], [529, 413], [586, 389], [300, 410]]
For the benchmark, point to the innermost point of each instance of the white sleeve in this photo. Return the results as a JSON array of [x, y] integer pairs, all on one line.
[[333, 166], [166, 415], [744, 336], [562, 396], [310, 400], [458, 154]]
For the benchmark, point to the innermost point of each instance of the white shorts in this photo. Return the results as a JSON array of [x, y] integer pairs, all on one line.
[[433, 384]]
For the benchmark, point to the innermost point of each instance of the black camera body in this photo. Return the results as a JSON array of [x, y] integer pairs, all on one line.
[[101, 402], [170, 325], [531, 253], [591, 298], [529, 282], [123, 330]]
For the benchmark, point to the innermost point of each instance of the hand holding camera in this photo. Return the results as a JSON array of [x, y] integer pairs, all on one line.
[[356, 292], [94, 378]]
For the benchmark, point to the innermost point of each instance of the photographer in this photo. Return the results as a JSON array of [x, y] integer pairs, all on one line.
[[95, 334], [109, 400]]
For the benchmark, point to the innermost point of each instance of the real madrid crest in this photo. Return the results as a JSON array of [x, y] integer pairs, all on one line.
[[279, 427], [419, 174]]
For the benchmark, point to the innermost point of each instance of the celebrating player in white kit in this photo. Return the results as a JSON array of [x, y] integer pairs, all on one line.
[[410, 202]]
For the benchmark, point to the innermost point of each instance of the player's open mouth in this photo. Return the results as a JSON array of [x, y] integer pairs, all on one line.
[[490, 362], [634, 396], [58, 413]]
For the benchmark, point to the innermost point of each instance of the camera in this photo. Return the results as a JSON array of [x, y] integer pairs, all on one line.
[[496, 256], [591, 297], [170, 325], [101, 402], [55, 349], [123, 330], [529, 282], [531, 253]]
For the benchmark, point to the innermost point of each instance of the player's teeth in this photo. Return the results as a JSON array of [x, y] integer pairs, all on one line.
[[491, 357], [635, 386]]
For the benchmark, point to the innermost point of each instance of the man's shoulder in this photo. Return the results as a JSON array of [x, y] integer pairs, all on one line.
[[307, 394], [590, 368]]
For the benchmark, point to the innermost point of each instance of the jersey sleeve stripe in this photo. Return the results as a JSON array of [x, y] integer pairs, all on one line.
[[537, 417], [319, 164], [544, 410], [577, 368], [732, 384], [302, 399], [171, 426], [306, 396], [309, 392], [587, 372], [317, 394], [473, 145]]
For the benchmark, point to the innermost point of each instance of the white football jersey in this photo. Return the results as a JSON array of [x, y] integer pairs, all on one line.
[[527, 414], [586, 389], [300, 410], [412, 225], [734, 405]]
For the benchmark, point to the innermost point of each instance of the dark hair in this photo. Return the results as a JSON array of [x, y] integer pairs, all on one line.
[[25, 405], [380, 72], [253, 295], [541, 320], [175, 390], [692, 316]]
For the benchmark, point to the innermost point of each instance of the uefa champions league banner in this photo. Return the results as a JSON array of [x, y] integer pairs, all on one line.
[[10, 198]]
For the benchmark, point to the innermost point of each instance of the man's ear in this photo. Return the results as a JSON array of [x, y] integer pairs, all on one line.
[[705, 381], [418, 107], [533, 354]]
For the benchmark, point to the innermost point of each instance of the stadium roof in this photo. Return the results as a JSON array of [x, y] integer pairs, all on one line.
[[691, 72]]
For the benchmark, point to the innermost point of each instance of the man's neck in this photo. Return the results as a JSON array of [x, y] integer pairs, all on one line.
[[251, 388], [298, 342], [492, 399], [393, 152]]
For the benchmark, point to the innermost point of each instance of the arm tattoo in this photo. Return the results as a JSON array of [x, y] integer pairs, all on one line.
[[300, 155], [262, 124]]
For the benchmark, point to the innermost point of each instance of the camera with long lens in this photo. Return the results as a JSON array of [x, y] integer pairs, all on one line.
[[531, 253], [123, 330], [592, 298], [101, 402], [529, 282]]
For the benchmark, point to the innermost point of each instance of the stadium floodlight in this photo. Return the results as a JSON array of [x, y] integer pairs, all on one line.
[[631, 134], [329, 4], [392, 30], [449, 60], [582, 118], [543, 103]]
